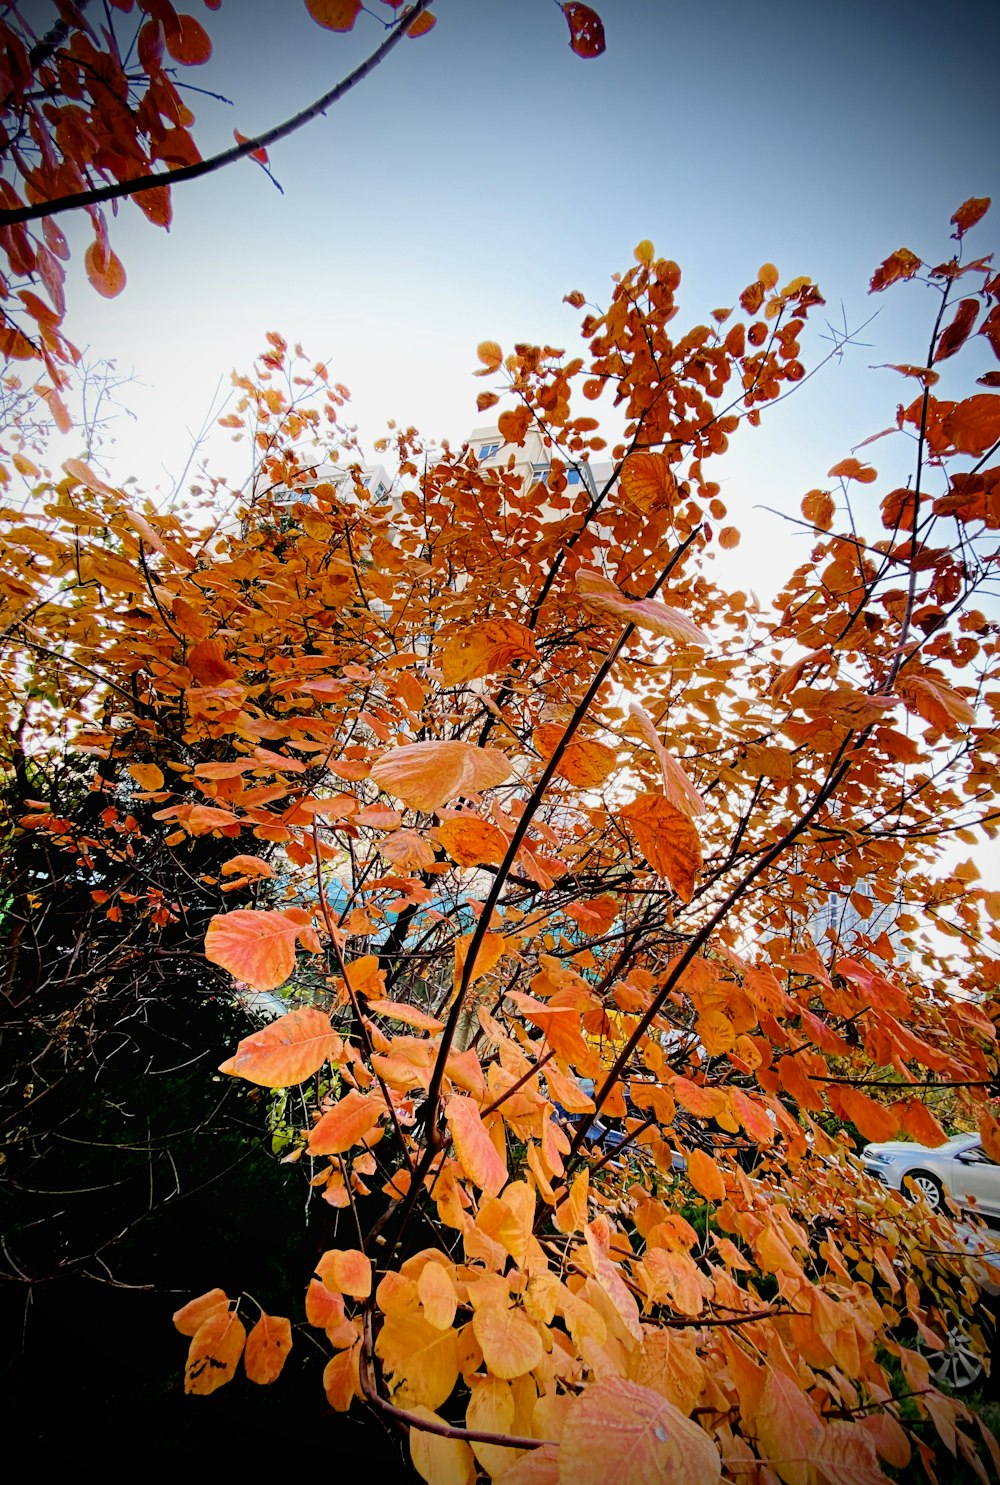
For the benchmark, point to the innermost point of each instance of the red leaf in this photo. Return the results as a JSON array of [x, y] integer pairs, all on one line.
[[586, 30], [969, 213], [899, 265], [260, 155], [954, 336]]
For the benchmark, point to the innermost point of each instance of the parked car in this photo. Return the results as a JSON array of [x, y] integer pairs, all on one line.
[[960, 1168], [974, 1253]]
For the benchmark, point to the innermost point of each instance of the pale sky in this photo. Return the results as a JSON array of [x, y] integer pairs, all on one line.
[[484, 170]]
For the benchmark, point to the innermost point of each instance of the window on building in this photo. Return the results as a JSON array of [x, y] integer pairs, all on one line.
[[380, 490], [487, 450], [540, 472], [572, 476]]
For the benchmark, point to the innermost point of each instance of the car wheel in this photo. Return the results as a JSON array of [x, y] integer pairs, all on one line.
[[928, 1186], [957, 1367]]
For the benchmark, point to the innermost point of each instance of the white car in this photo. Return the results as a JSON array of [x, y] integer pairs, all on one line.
[[960, 1168]]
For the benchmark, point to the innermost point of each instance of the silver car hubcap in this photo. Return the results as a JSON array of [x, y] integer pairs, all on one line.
[[928, 1190], [957, 1365]]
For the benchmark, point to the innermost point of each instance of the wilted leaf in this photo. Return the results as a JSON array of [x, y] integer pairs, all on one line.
[[215, 1350], [586, 32], [969, 213]]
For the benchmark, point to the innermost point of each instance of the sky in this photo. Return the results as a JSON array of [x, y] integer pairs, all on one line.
[[484, 170]]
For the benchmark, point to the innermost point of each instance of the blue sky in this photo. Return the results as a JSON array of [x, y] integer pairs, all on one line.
[[484, 170]]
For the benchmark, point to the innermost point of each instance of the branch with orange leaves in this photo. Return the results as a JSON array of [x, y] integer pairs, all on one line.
[[152, 182]]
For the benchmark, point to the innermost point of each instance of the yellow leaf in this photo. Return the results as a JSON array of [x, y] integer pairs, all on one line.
[[422, 1360], [511, 1344], [438, 1459], [618, 1433], [346, 1270], [438, 1295]]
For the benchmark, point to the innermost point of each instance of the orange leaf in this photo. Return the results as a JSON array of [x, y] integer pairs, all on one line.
[[484, 649], [208, 664], [954, 336], [488, 956], [974, 425], [257, 948], [424, 22], [188, 42], [246, 866], [146, 775], [476, 1152], [586, 31], [346, 1124], [853, 469], [787, 1429], [190, 1317], [599, 593], [335, 15], [215, 1350], [287, 1051], [490, 354], [969, 213], [471, 841], [989, 1133], [705, 1176], [899, 265], [819, 509], [920, 1124], [874, 1121], [268, 1345], [426, 775], [514, 424], [105, 272], [667, 839], [618, 1433], [584, 762], [346, 1270], [647, 480]]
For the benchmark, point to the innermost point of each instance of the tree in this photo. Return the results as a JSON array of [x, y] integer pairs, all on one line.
[[557, 807], [95, 113]]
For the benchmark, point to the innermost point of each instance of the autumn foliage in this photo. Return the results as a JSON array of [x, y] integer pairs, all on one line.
[[531, 822]]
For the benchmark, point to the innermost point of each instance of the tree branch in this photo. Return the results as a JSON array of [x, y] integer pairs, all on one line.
[[151, 182]]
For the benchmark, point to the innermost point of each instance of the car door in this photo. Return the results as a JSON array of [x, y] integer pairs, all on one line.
[[977, 1178]]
